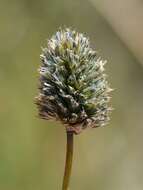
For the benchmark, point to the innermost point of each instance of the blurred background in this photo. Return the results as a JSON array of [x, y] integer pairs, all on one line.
[[32, 151]]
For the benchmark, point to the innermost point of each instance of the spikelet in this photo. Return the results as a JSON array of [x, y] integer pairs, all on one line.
[[73, 86]]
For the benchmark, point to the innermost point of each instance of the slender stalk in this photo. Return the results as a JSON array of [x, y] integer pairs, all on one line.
[[68, 164]]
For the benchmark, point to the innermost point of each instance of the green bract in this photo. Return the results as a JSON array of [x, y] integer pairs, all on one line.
[[73, 86]]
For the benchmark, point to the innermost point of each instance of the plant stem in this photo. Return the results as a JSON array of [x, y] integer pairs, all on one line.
[[69, 158]]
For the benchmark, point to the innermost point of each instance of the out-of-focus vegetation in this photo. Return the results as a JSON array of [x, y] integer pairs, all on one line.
[[32, 151]]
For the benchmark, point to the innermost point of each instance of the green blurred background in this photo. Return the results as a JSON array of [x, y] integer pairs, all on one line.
[[32, 151]]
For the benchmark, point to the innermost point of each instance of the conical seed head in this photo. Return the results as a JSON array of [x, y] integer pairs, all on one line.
[[73, 86]]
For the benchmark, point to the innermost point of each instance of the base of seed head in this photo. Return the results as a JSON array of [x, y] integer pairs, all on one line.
[[73, 86]]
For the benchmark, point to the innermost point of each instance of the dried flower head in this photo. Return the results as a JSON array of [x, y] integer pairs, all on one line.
[[73, 86]]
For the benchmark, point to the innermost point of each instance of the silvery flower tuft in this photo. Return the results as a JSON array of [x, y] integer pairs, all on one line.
[[73, 86]]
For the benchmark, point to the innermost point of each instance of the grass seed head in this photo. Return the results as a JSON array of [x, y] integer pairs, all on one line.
[[73, 86]]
